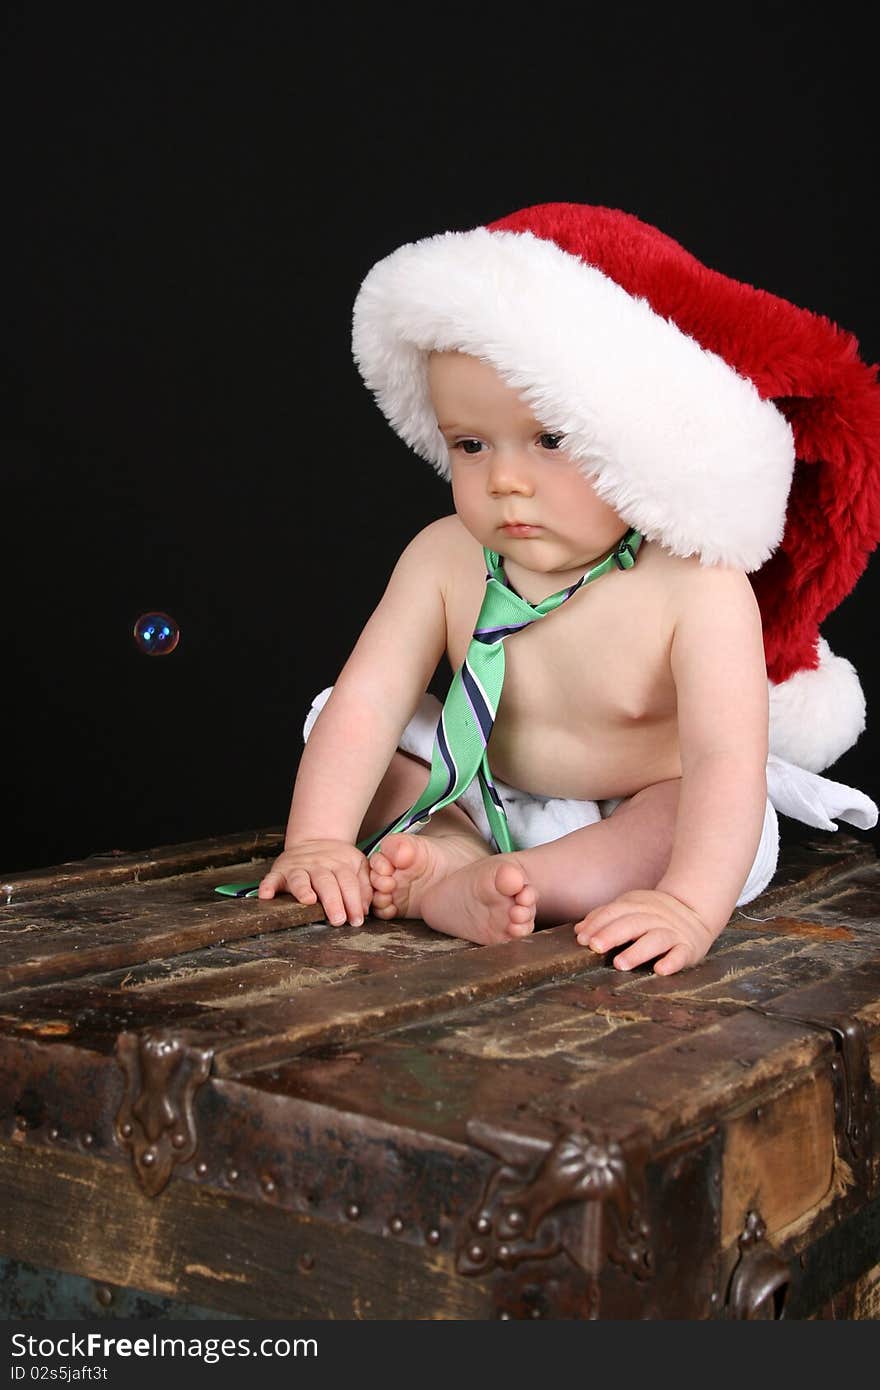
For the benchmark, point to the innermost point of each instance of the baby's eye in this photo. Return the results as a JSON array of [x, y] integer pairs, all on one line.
[[550, 441], [468, 446]]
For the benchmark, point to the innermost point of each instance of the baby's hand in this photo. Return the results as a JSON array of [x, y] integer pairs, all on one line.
[[330, 870], [655, 922]]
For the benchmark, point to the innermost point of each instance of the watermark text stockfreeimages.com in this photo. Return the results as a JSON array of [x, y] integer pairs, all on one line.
[[207, 1349]]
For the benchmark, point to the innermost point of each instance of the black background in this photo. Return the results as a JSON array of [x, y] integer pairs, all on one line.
[[192, 197]]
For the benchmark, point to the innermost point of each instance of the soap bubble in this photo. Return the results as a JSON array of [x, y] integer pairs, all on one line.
[[156, 634]]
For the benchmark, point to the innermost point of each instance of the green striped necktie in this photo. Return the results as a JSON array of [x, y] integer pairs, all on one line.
[[459, 753]]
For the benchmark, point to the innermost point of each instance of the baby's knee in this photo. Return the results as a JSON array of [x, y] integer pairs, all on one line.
[[647, 822], [659, 798]]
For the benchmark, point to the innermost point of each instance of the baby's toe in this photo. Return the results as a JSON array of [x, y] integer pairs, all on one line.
[[521, 914], [399, 851], [518, 929], [383, 906], [510, 879]]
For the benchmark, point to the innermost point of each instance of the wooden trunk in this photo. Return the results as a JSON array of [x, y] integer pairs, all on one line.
[[229, 1106]]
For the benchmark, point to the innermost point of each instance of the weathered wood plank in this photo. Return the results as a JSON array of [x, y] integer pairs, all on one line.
[[96, 915], [779, 1158], [105, 932], [84, 1216], [139, 866], [806, 865], [354, 1009], [324, 1015]]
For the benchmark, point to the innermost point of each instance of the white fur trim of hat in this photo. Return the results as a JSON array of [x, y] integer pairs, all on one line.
[[673, 438]]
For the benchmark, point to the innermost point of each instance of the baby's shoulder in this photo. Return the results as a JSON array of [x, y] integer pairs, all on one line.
[[690, 586], [445, 544]]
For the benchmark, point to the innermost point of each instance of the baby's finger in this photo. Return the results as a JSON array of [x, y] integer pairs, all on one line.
[[299, 886], [350, 889], [326, 886], [366, 887], [272, 883], [627, 927], [277, 881], [674, 960], [602, 917], [650, 944]]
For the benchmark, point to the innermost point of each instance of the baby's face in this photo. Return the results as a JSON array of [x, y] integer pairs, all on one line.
[[515, 488]]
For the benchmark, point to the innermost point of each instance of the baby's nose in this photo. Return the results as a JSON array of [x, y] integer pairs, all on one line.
[[510, 472]]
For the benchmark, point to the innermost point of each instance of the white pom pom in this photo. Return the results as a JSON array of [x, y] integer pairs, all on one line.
[[815, 716]]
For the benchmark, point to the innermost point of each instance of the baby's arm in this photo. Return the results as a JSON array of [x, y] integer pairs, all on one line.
[[356, 733], [717, 660]]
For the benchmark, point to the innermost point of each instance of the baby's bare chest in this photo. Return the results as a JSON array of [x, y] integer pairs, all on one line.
[[602, 657]]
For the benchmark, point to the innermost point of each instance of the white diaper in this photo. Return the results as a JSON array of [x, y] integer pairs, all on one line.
[[535, 820]]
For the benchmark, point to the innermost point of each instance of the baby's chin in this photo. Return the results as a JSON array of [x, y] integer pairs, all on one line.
[[545, 554]]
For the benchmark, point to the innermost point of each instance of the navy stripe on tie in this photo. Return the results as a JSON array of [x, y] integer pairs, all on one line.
[[446, 754], [493, 792], [478, 704], [490, 635]]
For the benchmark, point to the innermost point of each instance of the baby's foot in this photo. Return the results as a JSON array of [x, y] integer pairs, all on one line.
[[406, 866], [488, 901]]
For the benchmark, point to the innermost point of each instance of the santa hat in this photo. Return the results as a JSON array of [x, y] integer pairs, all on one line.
[[718, 419]]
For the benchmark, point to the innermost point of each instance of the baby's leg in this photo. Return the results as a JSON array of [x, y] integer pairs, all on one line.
[[580, 871], [631, 849], [406, 867]]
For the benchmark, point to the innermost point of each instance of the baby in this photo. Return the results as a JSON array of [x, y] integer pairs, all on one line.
[[638, 703]]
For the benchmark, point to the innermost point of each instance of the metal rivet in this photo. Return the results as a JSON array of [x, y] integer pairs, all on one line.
[[505, 1317], [267, 1183], [202, 1168], [178, 1140], [53, 1133], [483, 1225], [232, 1175], [88, 1140], [126, 1130], [20, 1122], [149, 1158], [535, 1313], [515, 1218], [476, 1253], [503, 1252], [104, 1295], [433, 1236], [396, 1225], [352, 1211], [713, 1297], [306, 1262]]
